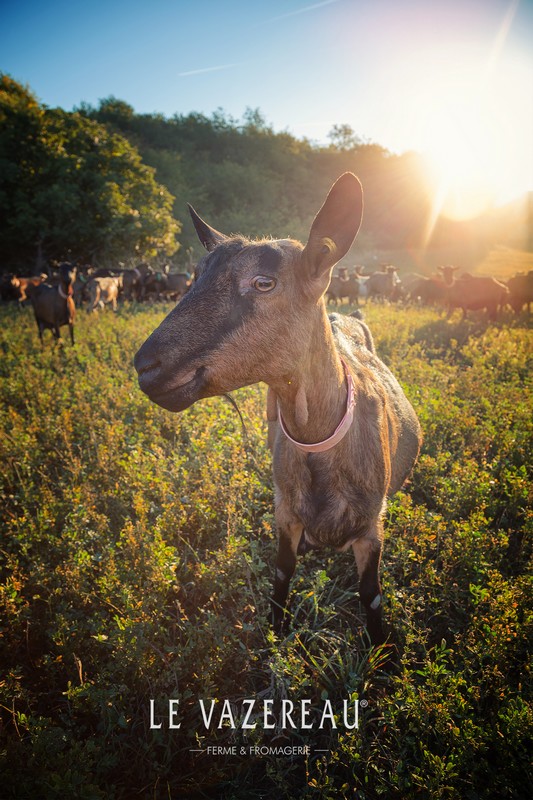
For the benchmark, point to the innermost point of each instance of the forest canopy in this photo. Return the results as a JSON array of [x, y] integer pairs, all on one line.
[[72, 188], [244, 177]]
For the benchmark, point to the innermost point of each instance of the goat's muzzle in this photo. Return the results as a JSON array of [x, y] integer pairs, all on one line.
[[174, 390]]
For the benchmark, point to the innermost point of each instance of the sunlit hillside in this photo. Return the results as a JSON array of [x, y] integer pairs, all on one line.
[[500, 262], [503, 262]]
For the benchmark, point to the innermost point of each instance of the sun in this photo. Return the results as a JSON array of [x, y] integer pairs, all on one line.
[[476, 133], [466, 147]]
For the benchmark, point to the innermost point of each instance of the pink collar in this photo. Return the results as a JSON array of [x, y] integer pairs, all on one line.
[[341, 430]]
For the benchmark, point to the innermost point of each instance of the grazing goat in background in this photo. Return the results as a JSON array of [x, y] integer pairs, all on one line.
[[343, 286], [54, 305], [382, 283], [472, 293], [102, 291], [433, 289], [24, 287], [344, 436], [176, 285], [520, 291], [166, 284]]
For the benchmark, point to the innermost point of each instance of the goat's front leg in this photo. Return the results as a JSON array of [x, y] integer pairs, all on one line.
[[289, 538], [367, 551]]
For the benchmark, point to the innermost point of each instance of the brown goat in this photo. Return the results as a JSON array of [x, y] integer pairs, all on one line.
[[520, 291], [102, 291], [434, 289], [343, 286], [53, 306], [472, 293], [344, 436], [26, 286]]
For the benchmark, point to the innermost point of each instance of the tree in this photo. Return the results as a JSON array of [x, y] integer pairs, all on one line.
[[71, 187], [343, 137]]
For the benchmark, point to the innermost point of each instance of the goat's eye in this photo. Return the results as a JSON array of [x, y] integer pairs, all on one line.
[[263, 284]]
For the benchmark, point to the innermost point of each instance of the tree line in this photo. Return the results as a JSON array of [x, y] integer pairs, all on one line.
[[103, 184], [244, 177]]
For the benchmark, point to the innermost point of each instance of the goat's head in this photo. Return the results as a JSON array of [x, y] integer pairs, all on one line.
[[246, 316], [67, 276], [448, 274]]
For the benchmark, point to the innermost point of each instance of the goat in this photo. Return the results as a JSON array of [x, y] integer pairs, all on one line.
[[144, 271], [53, 306], [344, 286], [362, 282], [472, 293], [448, 274], [520, 291], [81, 285], [24, 287], [256, 312], [175, 285], [132, 280], [410, 280], [166, 284], [102, 291], [434, 289], [383, 283]]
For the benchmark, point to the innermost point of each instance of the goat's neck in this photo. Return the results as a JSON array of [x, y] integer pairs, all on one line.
[[313, 396]]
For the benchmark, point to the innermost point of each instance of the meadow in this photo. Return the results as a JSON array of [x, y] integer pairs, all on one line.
[[136, 562]]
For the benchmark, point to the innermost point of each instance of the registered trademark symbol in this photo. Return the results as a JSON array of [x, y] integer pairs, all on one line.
[[363, 703]]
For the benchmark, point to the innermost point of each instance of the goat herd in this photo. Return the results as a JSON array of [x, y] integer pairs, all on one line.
[[55, 297], [467, 292]]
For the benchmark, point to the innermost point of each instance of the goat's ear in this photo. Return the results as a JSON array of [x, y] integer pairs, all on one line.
[[209, 237], [335, 226]]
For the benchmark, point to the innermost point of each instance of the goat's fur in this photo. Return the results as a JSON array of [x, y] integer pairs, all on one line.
[[102, 291], [256, 312], [53, 306]]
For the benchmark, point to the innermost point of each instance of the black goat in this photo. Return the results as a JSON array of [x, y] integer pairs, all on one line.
[[54, 305]]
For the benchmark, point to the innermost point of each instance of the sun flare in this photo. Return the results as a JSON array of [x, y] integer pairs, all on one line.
[[473, 129], [466, 147]]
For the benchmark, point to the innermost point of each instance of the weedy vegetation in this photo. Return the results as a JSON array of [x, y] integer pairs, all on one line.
[[136, 562]]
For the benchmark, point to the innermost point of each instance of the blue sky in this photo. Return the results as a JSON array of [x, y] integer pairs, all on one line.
[[389, 68]]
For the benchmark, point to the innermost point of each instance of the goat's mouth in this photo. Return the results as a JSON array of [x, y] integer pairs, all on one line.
[[175, 394]]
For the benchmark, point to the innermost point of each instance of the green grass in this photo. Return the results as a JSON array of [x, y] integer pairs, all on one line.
[[136, 562]]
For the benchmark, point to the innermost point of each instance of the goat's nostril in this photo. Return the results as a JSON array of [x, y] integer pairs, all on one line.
[[147, 366], [150, 372], [145, 362]]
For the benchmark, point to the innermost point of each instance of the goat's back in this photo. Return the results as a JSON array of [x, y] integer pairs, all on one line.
[[353, 330]]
